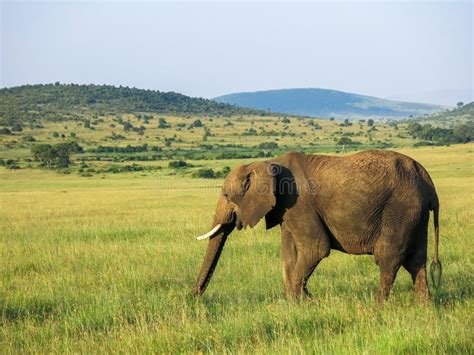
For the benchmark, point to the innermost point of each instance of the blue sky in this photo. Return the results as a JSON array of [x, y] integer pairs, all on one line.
[[404, 50]]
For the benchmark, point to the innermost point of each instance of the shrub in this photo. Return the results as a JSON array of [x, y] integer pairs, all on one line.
[[267, 145], [176, 164], [196, 124], [17, 127], [208, 173], [250, 132], [204, 173], [162, 123], [346, 141], [12, 164]]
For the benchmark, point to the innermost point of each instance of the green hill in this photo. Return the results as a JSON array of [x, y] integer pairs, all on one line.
[[327, 103], [50, 101], [450, 118]]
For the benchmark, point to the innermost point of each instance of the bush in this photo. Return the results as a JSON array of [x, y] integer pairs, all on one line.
[[177, 164], [204, 173], [17, 128], [250, 132], [162, 123], [28, 138], [208, 173], [5, 131], [11, 164], [128, 149], [267, 145], [196, 124]]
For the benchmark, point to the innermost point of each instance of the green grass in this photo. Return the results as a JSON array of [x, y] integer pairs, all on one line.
[[107, 263]]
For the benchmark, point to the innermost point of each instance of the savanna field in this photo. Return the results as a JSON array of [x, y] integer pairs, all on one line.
[[98, 227], [106, 262]]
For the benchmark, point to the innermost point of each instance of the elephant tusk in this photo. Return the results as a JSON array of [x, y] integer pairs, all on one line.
[[211, 233]]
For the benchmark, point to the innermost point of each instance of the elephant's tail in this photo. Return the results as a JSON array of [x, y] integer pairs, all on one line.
[[436, 269]]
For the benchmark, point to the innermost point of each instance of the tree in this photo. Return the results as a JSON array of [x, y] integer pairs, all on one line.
[[344, 141], [17, 127], [62, 152], [57, 155], [162, 123], [370, 122], [127, 126], [464, 133], [197, 123], [44, 153], [460, 104]]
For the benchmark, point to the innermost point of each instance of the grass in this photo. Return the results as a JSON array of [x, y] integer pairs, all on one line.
[[106, 264]]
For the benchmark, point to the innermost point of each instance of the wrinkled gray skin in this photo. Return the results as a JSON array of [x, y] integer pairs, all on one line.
[[373, 202]]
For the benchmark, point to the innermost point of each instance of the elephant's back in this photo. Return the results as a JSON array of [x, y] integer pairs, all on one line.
[[391, 167], [364, 192]]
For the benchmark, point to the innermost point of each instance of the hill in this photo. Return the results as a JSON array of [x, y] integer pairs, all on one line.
[[23, 103], [450, 118], [327, 103]]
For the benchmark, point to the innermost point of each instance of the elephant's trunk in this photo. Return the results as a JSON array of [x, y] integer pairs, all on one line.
[[214, 249]]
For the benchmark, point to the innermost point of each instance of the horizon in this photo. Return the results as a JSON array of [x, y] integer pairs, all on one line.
[[213, 49]]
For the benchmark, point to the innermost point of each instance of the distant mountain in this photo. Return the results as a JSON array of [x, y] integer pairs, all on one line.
[[327, 103], [50, 101]]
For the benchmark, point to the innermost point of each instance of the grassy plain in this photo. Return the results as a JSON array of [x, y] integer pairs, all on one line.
[[106, 263], [242, 133]]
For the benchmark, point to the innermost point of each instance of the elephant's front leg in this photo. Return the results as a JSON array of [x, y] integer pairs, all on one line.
[[310, 250], [288, 257], [306, 262]]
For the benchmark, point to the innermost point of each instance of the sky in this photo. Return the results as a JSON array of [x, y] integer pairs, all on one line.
[[415, 51]]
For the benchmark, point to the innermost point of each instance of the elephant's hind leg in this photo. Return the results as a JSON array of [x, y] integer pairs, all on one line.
[[391, 250], [415, 263], [389, 257], [417, 271], [388, 273]]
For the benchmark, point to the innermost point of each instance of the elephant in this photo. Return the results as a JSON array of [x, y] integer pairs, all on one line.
[[374, 202]]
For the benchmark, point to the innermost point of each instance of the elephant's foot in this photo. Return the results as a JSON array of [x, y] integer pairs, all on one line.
[[300, 294], [422, 296], [382, 295], [380, 298]]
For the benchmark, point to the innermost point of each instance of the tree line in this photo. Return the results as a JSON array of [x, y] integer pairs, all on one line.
[[463, 133]]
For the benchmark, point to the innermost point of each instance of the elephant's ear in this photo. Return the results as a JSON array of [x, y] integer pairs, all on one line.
[[258, 193]]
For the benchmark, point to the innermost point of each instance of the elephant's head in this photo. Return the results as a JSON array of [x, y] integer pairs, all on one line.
[[248, 194]]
